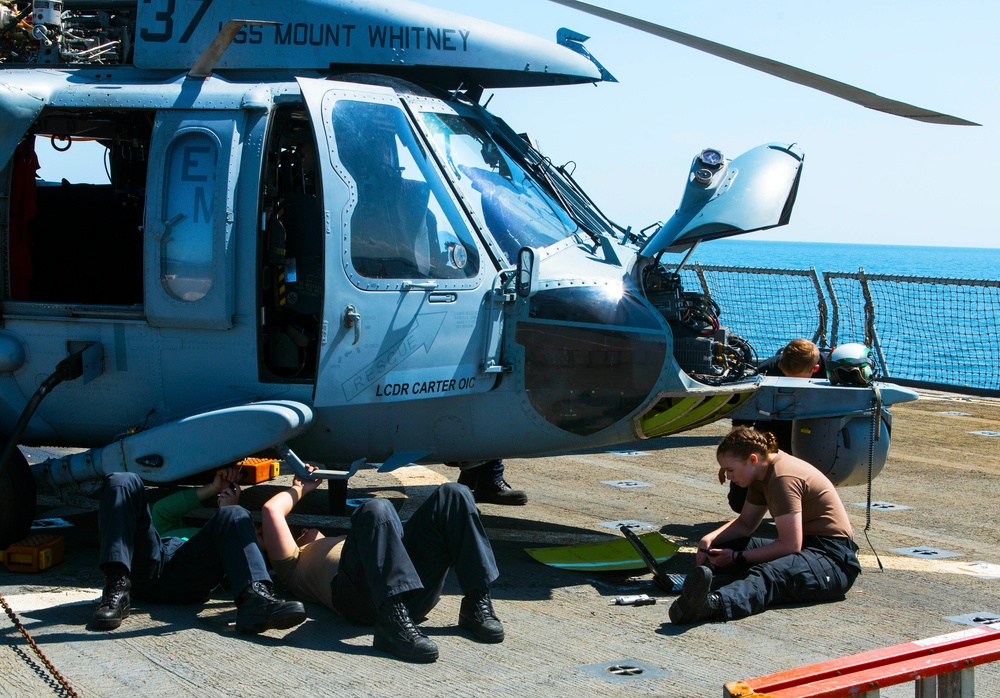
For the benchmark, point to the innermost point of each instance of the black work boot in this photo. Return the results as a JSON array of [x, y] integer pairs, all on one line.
[[693, 604], [257, 610], [396, 633], [477, 616], [114, 606], [498, 492]]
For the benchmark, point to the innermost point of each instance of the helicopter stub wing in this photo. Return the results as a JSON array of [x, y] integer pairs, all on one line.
[[402, 37], [185, 447], [784, 71]]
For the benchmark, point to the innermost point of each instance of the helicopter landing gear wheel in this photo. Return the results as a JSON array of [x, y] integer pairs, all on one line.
[[17, 499]]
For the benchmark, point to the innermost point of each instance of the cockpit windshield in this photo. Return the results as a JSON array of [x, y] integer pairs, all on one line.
[[514, 207]]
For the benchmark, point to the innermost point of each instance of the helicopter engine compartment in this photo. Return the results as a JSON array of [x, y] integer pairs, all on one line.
[[53, 32], [704, 349]]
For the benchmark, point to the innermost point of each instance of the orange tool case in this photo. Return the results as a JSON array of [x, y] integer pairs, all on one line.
[[254, 470], [34, 553]]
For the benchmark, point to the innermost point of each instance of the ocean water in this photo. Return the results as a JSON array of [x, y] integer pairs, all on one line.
[[938, 333], [948, 262]]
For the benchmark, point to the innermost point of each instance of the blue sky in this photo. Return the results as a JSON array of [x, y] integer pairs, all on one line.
[[868, 177]]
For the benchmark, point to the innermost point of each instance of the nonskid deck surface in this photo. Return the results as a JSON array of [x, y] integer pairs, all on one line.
[[935, 500]]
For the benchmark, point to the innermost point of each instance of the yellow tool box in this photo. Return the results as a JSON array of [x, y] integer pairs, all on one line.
[[254, 470], [34, 553]]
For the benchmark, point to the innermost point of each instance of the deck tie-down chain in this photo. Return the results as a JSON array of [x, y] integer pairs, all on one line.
[[67, 689]]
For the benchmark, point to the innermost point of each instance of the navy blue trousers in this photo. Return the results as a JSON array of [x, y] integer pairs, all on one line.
[[383, 557], [173, 570], [490, 471], [823, 570]]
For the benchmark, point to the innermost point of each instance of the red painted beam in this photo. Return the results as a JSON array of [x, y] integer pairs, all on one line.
[[869, 671]]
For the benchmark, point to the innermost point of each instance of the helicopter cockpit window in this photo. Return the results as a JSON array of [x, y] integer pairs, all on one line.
[[404, 224], [515, 209], [187, 245]]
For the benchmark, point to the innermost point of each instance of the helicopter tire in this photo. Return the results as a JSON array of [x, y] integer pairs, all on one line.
[[17, 499]]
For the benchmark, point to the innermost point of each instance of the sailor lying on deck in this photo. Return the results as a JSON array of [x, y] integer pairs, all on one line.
[[385, 573], [813, 558], [172, 565]]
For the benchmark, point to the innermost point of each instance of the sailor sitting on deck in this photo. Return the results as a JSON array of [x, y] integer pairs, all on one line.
[[385, 573], [813, 558], [183, 565]]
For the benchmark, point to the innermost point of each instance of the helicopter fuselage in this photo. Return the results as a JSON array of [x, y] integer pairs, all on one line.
[[352, 246]]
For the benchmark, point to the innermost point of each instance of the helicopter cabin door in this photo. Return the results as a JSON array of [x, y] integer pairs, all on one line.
[[405, 275], [189, 220]]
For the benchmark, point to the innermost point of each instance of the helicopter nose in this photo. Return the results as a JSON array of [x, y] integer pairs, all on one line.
[[592, 355]]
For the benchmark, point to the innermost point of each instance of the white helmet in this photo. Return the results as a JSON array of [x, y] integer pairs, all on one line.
[[851, 364]]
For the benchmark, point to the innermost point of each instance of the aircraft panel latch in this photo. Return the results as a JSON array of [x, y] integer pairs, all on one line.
[[352, 318]]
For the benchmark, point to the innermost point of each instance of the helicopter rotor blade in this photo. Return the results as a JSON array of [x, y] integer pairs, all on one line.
[[775, 68]]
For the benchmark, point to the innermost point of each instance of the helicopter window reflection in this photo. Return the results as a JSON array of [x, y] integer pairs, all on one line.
[[189, 214], [517, 212], [404, 224]]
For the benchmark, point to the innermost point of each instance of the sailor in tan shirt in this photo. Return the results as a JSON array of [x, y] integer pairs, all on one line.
[[813, 557], [386, 573]]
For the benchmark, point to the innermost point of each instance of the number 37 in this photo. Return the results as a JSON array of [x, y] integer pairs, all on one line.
[[162, 29]]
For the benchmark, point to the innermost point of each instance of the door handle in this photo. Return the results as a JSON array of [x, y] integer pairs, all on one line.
[[419, 285], [352, 318]]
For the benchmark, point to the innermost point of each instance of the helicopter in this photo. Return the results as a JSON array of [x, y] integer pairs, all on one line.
[[310, 236]]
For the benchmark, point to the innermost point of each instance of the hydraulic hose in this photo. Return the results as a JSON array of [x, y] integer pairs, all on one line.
[[69, 368], [17, 485]]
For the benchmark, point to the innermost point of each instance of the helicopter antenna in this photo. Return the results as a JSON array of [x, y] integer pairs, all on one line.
[[772, 67], [206, 63]]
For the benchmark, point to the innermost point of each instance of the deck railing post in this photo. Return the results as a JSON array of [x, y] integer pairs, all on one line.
[[957, 684], [871, 333]]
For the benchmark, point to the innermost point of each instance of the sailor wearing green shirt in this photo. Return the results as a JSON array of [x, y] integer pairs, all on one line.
[[152, 555]]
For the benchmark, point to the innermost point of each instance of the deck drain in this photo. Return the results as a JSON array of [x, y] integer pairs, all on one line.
[[629, 453], [956, 414], [624, 671], [882, 506], [981, 618], [985, 433], [626, 484], [634, 525], [926, 552]]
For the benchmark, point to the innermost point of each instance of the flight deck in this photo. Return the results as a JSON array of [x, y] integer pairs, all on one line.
[[931, 526]]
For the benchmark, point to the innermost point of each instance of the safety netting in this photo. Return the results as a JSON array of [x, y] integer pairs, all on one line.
[[938, 331]]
